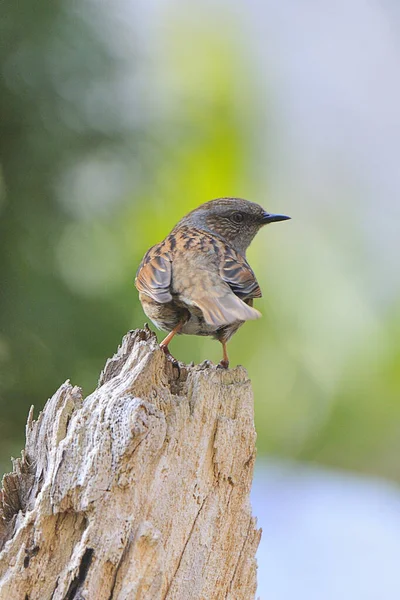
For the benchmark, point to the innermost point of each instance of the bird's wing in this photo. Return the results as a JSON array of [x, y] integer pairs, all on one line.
[[238, 274], [216, 300], [153, 276], [223, 303], [221, 307]]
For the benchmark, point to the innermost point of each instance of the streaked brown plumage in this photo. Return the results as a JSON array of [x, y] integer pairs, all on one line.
[[197, 281]]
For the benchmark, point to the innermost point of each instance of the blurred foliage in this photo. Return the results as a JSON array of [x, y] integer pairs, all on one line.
[[102, 150], [56, 72]]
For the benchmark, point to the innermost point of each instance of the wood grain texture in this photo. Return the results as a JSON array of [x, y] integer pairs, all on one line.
[[140, 491]]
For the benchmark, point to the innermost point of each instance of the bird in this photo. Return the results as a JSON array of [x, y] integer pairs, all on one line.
[[197, 281]]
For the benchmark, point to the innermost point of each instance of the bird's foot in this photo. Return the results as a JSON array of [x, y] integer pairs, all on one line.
[[165, 349], [173, 360], [223, 364]]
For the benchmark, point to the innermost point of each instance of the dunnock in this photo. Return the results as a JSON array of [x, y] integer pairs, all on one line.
[[197, 281]]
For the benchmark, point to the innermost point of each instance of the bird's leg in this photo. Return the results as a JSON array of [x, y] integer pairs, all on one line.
[[165, 343], [225, 360]]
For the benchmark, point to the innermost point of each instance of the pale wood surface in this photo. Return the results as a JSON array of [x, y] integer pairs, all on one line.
[[140, 491]]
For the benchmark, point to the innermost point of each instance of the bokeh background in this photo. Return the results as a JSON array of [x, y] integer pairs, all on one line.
[[118, 118]]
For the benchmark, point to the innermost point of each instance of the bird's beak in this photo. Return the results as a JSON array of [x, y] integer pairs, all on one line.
[[270, 218]]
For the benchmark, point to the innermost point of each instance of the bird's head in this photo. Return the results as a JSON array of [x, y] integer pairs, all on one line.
[[234, 219]]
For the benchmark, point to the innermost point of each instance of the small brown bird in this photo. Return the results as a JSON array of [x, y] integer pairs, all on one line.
[[197, 281]]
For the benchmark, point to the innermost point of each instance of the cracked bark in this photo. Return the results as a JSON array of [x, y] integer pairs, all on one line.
[[140, 491]]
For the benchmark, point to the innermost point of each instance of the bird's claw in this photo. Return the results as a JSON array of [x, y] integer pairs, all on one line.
[[223, 364], [172, 360]]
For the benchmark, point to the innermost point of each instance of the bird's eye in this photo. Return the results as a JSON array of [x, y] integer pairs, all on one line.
[[237, 217]]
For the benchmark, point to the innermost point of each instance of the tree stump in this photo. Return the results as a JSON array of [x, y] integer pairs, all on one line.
[[140, 491]]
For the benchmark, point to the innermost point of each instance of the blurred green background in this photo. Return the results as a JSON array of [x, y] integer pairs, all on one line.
[[115, 121]]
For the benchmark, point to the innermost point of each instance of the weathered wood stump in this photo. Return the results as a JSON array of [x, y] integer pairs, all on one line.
[[140, 491]]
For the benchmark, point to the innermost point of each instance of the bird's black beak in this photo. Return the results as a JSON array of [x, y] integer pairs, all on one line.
[[270, 218]]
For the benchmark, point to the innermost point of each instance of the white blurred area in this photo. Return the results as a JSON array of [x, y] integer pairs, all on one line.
[[326, 535]]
